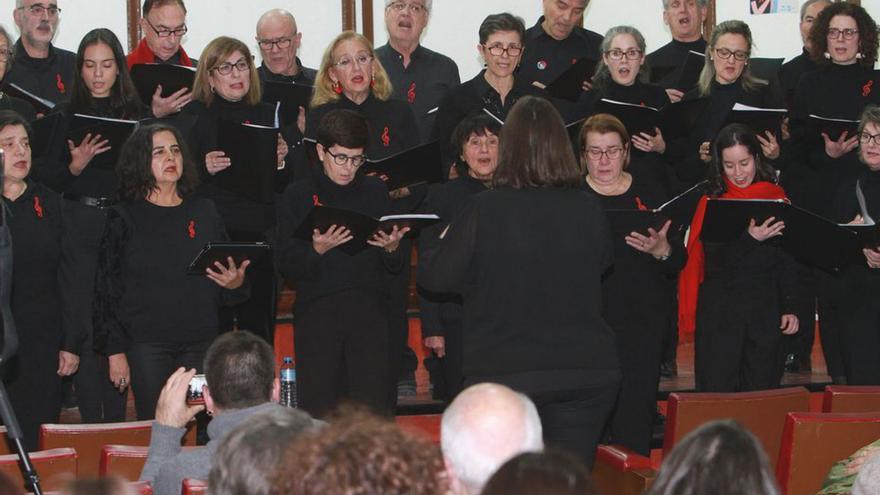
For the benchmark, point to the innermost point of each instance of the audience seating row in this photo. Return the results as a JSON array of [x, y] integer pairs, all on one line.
[[780, 419]]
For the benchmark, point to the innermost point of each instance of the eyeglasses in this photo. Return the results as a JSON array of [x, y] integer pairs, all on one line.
[[618, 54], [498, 50], [612, 153], [346, 63], [341, 159], [164, 32], [725, 54], [848, 34], [226, 68], [414, 8], [867, 138], [5, 55], [281, 43], [37, 9]]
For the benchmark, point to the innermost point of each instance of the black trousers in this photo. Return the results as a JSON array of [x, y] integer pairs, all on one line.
[[403, 361], [737, 341], [860, 331], [343, 352], [152, 363], [34, 388], [99, 401], [639, 349], [801, 343], [257, 313], [446, 372], [830, 290]]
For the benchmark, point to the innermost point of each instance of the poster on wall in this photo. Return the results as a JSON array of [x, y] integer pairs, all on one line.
[[762, 7]]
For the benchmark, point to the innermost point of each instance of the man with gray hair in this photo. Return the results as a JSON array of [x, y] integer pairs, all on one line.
[[40, 67], [419, 76], [685, 21], [795, 68], [485, 426]]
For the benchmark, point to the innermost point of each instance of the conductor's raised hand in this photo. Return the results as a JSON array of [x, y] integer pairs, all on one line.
[[171, 408], [789, 324], [836, 149], [770, 228], [163, 107], [230, 276], [388, 241], [648, 143], [655, 243], [216, 161], [769, 145], [334, 236], [81, 154]]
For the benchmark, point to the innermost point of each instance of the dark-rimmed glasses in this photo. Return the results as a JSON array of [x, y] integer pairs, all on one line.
[[164, 33], [341, 159]]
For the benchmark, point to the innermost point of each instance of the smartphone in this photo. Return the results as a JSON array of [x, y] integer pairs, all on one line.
[[194, 395]]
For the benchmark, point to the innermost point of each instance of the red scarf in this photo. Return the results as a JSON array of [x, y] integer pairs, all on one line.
[[692, 276], [143, 55]]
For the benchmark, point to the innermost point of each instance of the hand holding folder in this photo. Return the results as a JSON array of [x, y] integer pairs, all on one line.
[[679, 210], [356, 230], [570, 84]]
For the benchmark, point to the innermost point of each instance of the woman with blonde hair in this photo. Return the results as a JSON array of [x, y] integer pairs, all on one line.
[[227, 88]]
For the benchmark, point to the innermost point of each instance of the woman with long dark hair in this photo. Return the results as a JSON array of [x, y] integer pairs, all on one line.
[[101, 87], [150, 316], [536, 228], [738, 296]]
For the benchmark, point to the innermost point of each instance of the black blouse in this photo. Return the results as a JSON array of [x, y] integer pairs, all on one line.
[[318, 275], [142, 290]]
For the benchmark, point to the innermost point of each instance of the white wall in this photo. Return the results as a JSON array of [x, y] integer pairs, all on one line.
[[452, 28]]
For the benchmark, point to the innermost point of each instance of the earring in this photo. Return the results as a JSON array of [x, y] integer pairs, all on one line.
[[859, 56], [212, 89], [373, 83], [337, 87], [827, 55]]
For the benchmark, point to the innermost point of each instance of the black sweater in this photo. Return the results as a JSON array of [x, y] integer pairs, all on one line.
[[239, 214], [437, 311], [528, 264], [672, 55], [637, 290], [37, 228], [318, 275], [142, 291], [837, 91], [50, 78]]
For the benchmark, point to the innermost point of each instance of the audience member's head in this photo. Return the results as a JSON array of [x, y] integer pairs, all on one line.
[[721, 458], [163, 23], [360, 453], [246, 459], [112, 485], [240, 371], [9, 487], [548, 473], [37, 22], [279, 41], [485, 426]]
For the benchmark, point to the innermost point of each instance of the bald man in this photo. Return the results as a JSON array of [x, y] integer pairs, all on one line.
[[279, 41], [485, 426]]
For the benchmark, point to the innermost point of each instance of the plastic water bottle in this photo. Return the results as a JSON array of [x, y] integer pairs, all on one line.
[[288, 382]]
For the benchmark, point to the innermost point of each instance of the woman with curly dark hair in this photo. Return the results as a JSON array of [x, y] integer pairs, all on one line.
[[738, 294], [361, 453], [843, 42], [140, 319], [552, 472]]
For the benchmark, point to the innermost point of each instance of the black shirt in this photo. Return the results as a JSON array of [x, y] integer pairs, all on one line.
[[316, 275], [18, 106], [528, 263], [792, 71], [439, 310], [672, 56], [305, 75], [239, 214], [37, 228], [422, 83], [391, 123], [546, 58], [142, 291], [50, 78], [470, 98]]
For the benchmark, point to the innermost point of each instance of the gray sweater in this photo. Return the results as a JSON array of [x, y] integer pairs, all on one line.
[[167, 465]]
